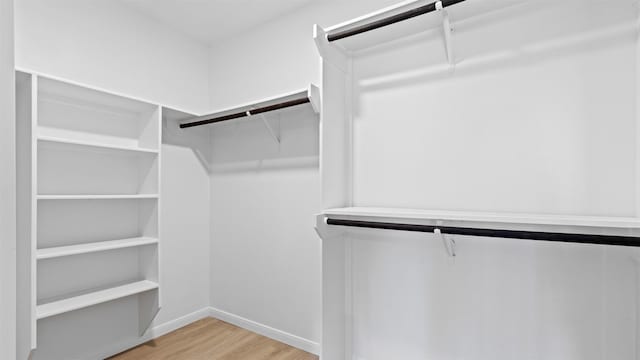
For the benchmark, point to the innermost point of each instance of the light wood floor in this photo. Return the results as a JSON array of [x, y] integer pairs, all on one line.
[[212, 339]]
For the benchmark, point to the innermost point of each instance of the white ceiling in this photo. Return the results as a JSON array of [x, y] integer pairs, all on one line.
[[211, 20]]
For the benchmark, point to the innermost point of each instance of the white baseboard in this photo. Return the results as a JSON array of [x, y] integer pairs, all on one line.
[[153, 333], [162, 329], [264, 330], [176, 324]]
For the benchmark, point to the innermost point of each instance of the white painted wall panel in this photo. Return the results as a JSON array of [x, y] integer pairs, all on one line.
[[529, 121], [7, 185], [185, 223], [279, 56], [265, 263], [498, 299]]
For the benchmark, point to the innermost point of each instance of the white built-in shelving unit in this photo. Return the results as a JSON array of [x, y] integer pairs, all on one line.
[[93, 188], [425, 122]]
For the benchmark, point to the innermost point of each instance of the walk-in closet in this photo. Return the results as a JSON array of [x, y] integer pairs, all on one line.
[[319, 180]]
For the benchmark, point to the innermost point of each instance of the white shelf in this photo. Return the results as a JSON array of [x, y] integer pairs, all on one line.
[[60, 140], [461, 13], [97, 197], [56, 252], [427, 22], [313, 93], [82, 301], [395, 215]]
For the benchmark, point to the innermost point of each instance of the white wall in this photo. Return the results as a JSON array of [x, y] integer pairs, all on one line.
[[265, 255], [498, 299], [278, 56], [107, 45], [7, 185], [185, 226], [526, 123]]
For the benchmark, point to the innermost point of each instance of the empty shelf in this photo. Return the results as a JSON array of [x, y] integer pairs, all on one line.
[[97, 197], [59, 140], [61, 251], [94, 298]]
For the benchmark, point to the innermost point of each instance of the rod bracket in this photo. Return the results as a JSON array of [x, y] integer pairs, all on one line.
[[276, 137], [448, 241], [447, 30]]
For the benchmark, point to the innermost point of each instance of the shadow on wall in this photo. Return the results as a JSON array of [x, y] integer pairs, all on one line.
[[246, 145], [197, 139], [494, 41], [517, 125]]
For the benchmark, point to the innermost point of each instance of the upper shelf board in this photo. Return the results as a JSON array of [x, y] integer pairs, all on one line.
[[65, 92], [482, 219], [418, 24], [312, 93], [174, 115], [95, 144], [98, 197]]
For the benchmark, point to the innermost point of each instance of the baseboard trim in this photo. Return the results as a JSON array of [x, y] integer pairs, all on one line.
[[153, 333], [176, 324], [264, 330], [163, 329]]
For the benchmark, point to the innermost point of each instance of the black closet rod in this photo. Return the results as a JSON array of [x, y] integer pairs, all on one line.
[[425, 9], [508, 234], [238, 115]]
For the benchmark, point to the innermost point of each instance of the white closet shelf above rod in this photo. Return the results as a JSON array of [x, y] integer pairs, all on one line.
[[307, 96], [367, 25], [568, 229], [632, 241]]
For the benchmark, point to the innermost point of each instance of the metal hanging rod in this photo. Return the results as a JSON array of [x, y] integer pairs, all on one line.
[[508, 234], [425, 9], [261, 110]]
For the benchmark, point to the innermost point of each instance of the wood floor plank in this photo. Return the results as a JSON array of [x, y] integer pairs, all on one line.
[[213, 339]]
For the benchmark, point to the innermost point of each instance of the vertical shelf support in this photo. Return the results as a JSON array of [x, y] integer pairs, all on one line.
[[34, 208], [148, 309], [336, 298], [447, 30]]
